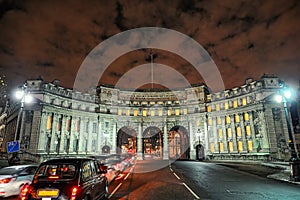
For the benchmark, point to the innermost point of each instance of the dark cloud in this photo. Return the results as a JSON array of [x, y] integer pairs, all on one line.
[[244, 38]]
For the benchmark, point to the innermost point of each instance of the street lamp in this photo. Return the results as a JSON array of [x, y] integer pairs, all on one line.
[[23, 97], [283, 97]]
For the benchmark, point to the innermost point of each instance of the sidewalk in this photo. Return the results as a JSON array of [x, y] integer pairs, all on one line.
[[284, 175]]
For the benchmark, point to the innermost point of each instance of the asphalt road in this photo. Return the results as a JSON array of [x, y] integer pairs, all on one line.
[[189, 180]]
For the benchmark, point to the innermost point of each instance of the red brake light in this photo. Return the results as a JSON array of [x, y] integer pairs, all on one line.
[[6, 180], [24, 191], [74, 193], [53, 177]]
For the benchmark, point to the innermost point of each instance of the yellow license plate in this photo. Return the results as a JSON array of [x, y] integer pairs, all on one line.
[[47, 193]]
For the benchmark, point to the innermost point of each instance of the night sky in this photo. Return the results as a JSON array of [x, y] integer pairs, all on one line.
[[245, 39]]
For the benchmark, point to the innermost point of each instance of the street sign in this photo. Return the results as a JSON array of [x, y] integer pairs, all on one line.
[[13, 146]]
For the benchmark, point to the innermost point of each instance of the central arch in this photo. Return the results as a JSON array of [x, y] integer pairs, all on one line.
[[126, 140], [152, 143]]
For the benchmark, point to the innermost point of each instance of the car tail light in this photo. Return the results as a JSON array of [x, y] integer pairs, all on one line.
[[53, 177], [74, 193], [24, 192], [7, 180]]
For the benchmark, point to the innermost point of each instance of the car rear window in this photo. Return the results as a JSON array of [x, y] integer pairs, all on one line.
[[56, 172]]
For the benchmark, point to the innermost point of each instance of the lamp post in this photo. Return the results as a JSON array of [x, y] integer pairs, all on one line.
[[23, 97], [283, 97]]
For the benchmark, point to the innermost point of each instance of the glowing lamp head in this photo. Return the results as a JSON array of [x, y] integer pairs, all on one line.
[[28, 98], [19, 94], [278, 98]]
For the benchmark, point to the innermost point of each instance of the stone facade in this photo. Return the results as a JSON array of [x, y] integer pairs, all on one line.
[[192, 123]]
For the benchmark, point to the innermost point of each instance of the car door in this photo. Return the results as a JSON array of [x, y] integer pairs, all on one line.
[[101, 179], [97, 189], [88, 182]]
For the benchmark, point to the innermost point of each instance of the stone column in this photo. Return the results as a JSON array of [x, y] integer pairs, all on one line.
[[215, 135], [63, 132], [81, 136], [114, 139], [100, 137], [72, 135], [225, 138], [53, 134], [207, 148], [245, 145], [90, 137], [233, 132], [166, 142], [43, 136]]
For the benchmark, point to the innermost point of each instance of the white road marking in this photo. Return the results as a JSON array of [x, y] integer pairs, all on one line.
[[191, 191], [176, 176], [113, 192], [126, 176]]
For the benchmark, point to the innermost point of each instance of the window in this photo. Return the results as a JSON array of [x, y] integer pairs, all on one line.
[[221, 146], [217, 107], [135, 113], [86, 171], [160, 112], [228, 119], [226, 106], [237, 118], [185, 111], [208, 108], [87, 127], [152, 112], [144, 113], [177, 112], [77, 125], [229, 133], [248, 131], [246, 116], [250, 147], [127, 112], [49, 122], [169, 112], [244, 101], [219, 121], [238, 131], [220, 133], [209, 121], [119, 112], [240, 146], [235, 103]]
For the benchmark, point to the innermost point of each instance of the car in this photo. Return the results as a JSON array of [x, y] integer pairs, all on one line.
[[13, 178], [68, 178]]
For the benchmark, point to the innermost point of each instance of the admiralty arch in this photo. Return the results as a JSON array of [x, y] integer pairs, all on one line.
[[191, 123]]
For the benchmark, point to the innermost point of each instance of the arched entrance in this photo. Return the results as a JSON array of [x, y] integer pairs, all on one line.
[[126, 140], [152, 143], [179, 146], [200, 152]]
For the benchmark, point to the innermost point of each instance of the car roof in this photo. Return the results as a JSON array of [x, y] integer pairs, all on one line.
[[67, 160], [20, 166]]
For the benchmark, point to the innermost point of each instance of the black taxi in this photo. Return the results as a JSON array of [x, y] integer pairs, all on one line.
[[68, 178]]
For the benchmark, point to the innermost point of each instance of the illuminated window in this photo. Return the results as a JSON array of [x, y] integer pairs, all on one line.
[[127, 112], [238, 131], [248, 130], [160, 112], [221, 146], [229, 133], [177, 112], [169, 112], [68, 124], [198, 123], [219, 121], [226, 105], [209, 121], [212, 147], [185, 111], [235, 104], [246, 116], [228, 119], [135, 113], [152, 112], [119, 112], [250, 146], [152, 102], [240, 146], [244, 101], [237, 118], [230, 146], [144, 113], [217, 107], [220, 133], [49, 122], [208, 108]]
